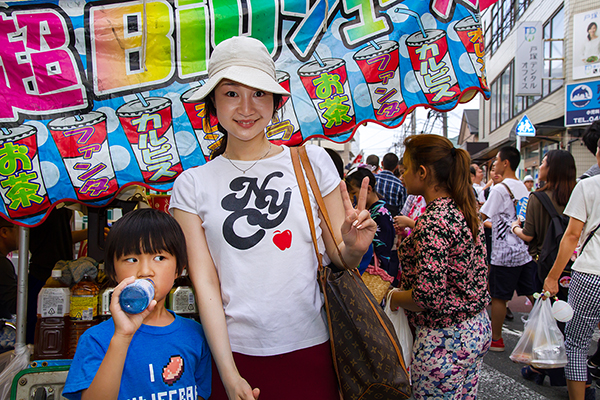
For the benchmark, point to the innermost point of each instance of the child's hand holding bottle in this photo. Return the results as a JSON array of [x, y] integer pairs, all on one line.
[[127, 324]]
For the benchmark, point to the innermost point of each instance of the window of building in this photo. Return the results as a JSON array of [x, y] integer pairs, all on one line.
[[504, 15], [500, 102], [553, 29], [494, 105], [506, 81], [504, 105], [521, 7]]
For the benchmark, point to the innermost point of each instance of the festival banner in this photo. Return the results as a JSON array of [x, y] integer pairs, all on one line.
[[96, 94]]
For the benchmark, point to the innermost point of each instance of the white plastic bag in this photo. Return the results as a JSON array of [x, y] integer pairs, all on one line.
[[542, 344], [402, 328], [19, 360]]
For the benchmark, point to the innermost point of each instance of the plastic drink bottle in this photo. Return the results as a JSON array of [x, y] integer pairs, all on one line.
[[52, 327], [136, 296], [106, 290], [84, 309], [105, 298], [181, 298]]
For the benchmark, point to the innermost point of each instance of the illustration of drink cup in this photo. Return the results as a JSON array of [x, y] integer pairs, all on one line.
[[148, 125], [205, 128], [326, 82], [471, 36], [21, 185], [284, 127], [433, 67], [83, 145], [379, 64]]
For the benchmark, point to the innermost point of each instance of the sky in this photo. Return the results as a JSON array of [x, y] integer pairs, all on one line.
[[375, 139]]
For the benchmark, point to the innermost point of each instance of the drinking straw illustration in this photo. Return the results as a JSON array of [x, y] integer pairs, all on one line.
[[142, 99], [5, 131], [413, 14], [318, 59], [78, 117], [374, 44], [475, 17]]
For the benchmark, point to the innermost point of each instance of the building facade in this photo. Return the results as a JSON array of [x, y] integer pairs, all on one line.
[[499, 116]]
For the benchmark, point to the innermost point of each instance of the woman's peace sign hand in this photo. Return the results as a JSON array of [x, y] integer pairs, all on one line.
[[358, 229]]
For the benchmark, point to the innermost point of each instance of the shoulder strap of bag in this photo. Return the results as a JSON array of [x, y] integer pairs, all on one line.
[[512, 197], [312, 181], [305, 201], [588, 239], [317, 193], [311, 222], [547, 203]]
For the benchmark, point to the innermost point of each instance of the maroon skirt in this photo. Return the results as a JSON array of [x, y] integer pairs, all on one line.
[[299, 375]]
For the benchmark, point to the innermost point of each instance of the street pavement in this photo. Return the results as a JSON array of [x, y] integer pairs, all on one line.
[[501, 378]]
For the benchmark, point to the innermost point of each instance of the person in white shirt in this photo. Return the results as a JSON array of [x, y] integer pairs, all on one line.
[[512, 268], [478, 185], [251, 258], [591, 48], [584, 288]]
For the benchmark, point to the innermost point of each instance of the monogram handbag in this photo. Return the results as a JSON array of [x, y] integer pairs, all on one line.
[[367, 356]]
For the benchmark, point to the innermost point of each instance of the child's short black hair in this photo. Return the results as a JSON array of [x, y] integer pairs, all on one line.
[[356, 176], [145, 230]]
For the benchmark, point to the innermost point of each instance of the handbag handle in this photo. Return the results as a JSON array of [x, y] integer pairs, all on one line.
[[313, 235], [305, 201], [299, 155], [295, 152]]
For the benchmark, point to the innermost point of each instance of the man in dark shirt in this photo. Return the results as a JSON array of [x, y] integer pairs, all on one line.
[[8, 279]]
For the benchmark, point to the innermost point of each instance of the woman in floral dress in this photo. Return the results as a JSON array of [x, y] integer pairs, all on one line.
[[444, 273]]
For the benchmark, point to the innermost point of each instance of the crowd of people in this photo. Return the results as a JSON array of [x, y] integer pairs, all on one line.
[[449, 238]]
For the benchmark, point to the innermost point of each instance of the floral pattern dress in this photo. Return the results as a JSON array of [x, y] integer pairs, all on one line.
[[385, 235], [446, 271]]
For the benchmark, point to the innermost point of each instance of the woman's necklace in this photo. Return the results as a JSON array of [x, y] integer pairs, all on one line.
[[253, 164]]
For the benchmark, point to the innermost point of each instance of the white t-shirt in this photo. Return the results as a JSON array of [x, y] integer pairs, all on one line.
[[260, 242], [583, 205], [508, 250], [591, 47], [479, 191]]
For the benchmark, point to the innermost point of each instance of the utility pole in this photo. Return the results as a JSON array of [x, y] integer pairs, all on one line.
[[413, 123], [445, 124]]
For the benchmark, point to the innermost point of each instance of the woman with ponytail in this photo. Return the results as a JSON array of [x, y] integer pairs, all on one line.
[[443, 286]]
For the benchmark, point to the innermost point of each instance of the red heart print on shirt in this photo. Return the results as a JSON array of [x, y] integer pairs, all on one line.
[[283, 240]]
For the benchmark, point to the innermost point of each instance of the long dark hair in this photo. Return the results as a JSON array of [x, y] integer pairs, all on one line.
[[211, 110], [588, 30], [561, 175], [451, 169]]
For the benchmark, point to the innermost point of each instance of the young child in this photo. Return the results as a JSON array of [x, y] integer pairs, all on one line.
[[152, 355]]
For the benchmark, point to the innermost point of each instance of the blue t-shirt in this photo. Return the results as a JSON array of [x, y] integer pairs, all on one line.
[[166, 362]]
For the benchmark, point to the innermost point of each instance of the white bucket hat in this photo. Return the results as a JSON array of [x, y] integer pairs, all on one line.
[[244, 60], [528, 178]]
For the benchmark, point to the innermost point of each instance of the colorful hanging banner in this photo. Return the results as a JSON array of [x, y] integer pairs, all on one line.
[[95, 94]]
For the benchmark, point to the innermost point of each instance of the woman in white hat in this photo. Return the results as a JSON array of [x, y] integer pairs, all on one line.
[[251, 257]]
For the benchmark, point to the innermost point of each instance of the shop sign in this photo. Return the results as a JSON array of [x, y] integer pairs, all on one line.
[[529, 60], [582, 103]]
